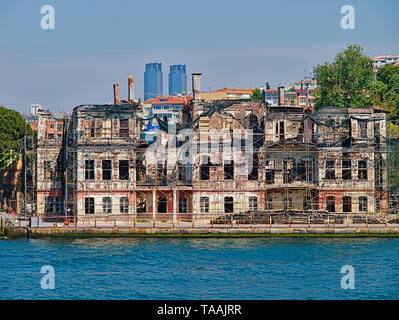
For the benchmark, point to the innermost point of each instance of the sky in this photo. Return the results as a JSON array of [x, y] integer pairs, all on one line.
[[238, 44]]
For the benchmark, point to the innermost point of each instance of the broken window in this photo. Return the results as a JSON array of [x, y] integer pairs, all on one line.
[[363, 129], [91, 128], [89, 169], [124, 128], [140, 171], [107, 169], [330, 169], [48, 170], [204, 168], [288, 171], [107, 205], [253, 203], [124, 205], [269, 171], [299, 170], [362, 169], [183, 205], [347, 204], [161, 204], [181, 172], [253, 175], [280, 132], [49, 205], [346, 169], [229, 170], [228, 205], [89, 205], [141, 205], [330, 202], [123, 169], [363, 204], [204, 204]]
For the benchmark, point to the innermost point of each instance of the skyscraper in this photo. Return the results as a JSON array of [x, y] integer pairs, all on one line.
[[177, 80], [153, 81]]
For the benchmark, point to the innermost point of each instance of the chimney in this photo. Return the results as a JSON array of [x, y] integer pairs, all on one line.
[[131, 89], [116, 93], [280, 90], [196, 77]]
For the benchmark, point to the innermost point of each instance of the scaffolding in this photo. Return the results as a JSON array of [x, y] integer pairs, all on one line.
[[328, 160]]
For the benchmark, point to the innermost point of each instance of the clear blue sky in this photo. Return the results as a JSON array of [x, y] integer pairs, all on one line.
[[233, 43]]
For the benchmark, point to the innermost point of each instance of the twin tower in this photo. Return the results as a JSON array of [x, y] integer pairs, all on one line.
[[153, 80]]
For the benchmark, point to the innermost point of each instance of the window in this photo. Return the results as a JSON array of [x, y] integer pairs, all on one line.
[[124, 128], [253, 175], [269, 203], [140, 171], [89, 205], [288, 203], [288, 171], [106, 165], [89, 169], [229, 170], [347, 204], [204, 169], [280, 130], [183, 205], [363, 129], [141, 205], [363, 204], [49, 203], [107, 205], [91, 128], [330, 169], [253, 203], [59, 205], [269, 171], [124, 205], [307, 204], [228, 205], [162, 204], [204, 204], [123, 169], [362, 169], [330, 201], [346, 169], [48, 170]]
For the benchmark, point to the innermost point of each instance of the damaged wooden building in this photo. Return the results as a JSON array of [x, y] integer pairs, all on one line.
[[222, 157]]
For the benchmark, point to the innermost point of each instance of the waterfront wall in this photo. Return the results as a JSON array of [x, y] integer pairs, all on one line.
[[200, 232]]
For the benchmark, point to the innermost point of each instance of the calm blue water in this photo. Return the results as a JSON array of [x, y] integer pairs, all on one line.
[[264, 268]]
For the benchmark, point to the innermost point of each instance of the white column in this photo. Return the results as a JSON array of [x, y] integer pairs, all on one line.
[[154, 205], [174, 206]]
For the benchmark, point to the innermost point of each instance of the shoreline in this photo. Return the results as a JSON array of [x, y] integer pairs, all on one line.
[[37, 233]]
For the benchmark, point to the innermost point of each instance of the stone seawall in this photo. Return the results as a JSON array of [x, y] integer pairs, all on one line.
[[200, 232]]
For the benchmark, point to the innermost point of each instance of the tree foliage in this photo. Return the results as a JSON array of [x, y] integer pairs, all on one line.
[[347, 81], [12, 131], [256, 95]]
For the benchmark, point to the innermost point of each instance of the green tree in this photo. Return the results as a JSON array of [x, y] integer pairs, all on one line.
[[385, 74], [347, 81], [12, 131], [256, 95]]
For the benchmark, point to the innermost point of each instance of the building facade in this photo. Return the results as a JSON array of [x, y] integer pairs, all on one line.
[[153, 81], [177, 80]]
